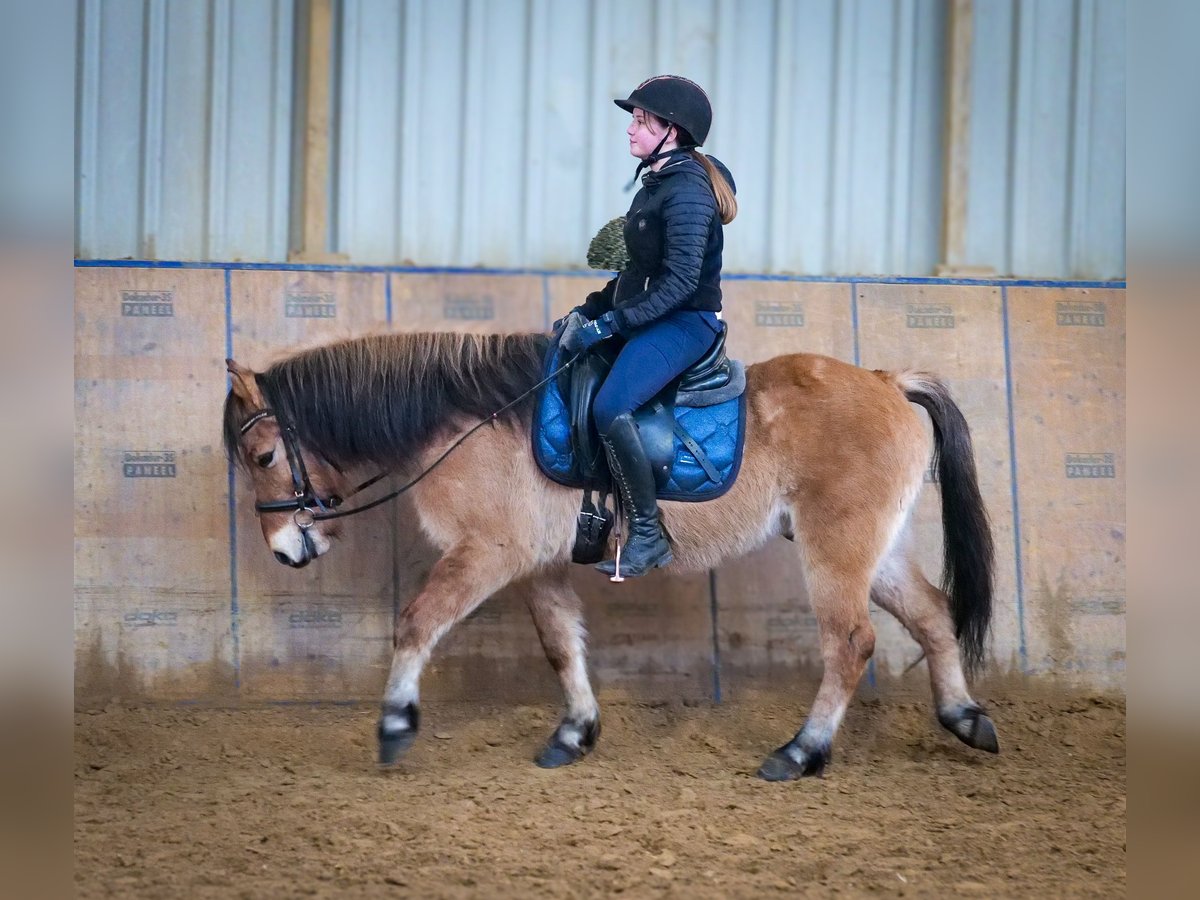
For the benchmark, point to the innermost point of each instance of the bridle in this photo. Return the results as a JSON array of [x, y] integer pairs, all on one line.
[[304, 498]]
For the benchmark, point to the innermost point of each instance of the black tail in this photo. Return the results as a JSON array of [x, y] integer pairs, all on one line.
[[968, 553]]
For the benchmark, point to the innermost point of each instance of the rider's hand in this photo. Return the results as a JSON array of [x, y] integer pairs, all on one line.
[[591, 334], [559, 324]]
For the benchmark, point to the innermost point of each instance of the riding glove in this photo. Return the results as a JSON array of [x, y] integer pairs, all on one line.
[[559, 324], [595, 331]]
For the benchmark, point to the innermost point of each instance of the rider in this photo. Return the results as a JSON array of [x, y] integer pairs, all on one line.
[[663, 305]]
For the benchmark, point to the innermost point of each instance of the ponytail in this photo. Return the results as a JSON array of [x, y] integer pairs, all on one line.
[[727, 206]]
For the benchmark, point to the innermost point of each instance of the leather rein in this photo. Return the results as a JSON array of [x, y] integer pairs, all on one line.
[[305, 498]]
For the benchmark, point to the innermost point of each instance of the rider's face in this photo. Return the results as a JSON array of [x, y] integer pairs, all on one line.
[[644, 134]]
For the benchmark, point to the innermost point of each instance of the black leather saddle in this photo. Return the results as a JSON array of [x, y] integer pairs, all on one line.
[[656, 419]]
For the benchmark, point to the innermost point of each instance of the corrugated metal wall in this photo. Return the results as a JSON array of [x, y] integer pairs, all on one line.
[[1047, 176], [472, 132], [184, 120], [483, 133]]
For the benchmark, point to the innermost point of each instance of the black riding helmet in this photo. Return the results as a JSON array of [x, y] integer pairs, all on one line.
[[681, 102]]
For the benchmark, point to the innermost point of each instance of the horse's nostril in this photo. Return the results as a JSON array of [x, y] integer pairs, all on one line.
[[282, 557]]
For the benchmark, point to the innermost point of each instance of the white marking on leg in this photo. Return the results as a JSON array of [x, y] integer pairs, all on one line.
[[793, 752], [581, 702], [821, 733], [403, 686], [570, 734], [393, 723]]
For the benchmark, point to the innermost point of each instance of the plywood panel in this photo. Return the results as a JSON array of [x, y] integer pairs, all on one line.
[[323, 631], [1068, 356], [651, 636], [494, 654], [478, 304], [770, 318], [764, 618], [155, 607], [765, 318], [956, 332], [152, 590], [567, 292]]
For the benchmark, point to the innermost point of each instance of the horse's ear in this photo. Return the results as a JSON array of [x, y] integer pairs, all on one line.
[[245, 386]]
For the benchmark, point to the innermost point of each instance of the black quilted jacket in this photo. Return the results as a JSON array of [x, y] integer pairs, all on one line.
[[674, 236]]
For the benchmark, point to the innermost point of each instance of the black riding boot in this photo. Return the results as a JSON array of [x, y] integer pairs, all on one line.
[[647, 547]]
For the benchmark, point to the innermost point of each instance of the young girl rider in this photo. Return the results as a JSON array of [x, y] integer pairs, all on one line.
[[663, 305]]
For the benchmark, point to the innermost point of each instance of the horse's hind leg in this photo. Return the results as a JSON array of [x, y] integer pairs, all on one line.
[[462, 579], [558, 616], [924, 611], [839, 601]]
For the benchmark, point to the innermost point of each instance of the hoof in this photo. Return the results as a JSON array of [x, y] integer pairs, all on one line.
[[972, 726], [391, 748], [555, 755], [570, 743], [397, 730], [782, 765]]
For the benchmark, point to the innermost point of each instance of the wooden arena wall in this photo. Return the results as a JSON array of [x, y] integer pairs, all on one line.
[[178, 598]]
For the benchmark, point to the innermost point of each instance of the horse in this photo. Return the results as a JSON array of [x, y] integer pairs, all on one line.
[[834, 459]]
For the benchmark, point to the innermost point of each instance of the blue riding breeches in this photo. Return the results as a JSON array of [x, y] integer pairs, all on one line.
[[653, 356]]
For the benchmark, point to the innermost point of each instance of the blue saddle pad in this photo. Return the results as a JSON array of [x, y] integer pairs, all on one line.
[[715, 419]]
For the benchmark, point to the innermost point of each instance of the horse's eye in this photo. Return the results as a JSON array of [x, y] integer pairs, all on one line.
[[335, 501], [265, 459]]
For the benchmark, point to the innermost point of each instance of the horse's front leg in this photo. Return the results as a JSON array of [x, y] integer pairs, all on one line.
[[462, 579], [558, 615]]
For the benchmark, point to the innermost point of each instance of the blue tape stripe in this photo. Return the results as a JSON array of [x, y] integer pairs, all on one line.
[[387, 293], [1012, 474], [234, 611], [588, 273], [925, 279]]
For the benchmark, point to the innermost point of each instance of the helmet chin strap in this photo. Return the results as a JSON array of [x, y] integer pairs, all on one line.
[[650, 160]]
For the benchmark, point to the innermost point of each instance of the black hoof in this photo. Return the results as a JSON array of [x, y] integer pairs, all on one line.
[[556, 755], [972, 726], [393, 747], [570, 743], [782, 766], [398, 727]]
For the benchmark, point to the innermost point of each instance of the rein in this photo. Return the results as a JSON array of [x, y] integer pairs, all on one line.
[[305, 497]]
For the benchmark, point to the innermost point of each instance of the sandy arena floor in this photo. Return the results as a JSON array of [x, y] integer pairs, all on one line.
[[286, 801]]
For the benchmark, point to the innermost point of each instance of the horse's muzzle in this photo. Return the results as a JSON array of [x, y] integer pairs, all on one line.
[[308, 549], [288, 561]]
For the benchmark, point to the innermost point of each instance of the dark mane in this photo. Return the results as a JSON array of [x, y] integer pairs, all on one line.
[[379, 399]]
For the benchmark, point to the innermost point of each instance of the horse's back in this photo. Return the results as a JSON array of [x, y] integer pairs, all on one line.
[[827, 390], [834, 422]]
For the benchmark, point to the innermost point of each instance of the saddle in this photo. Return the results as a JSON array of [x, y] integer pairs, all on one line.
[[708, 381], [693, 431]]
